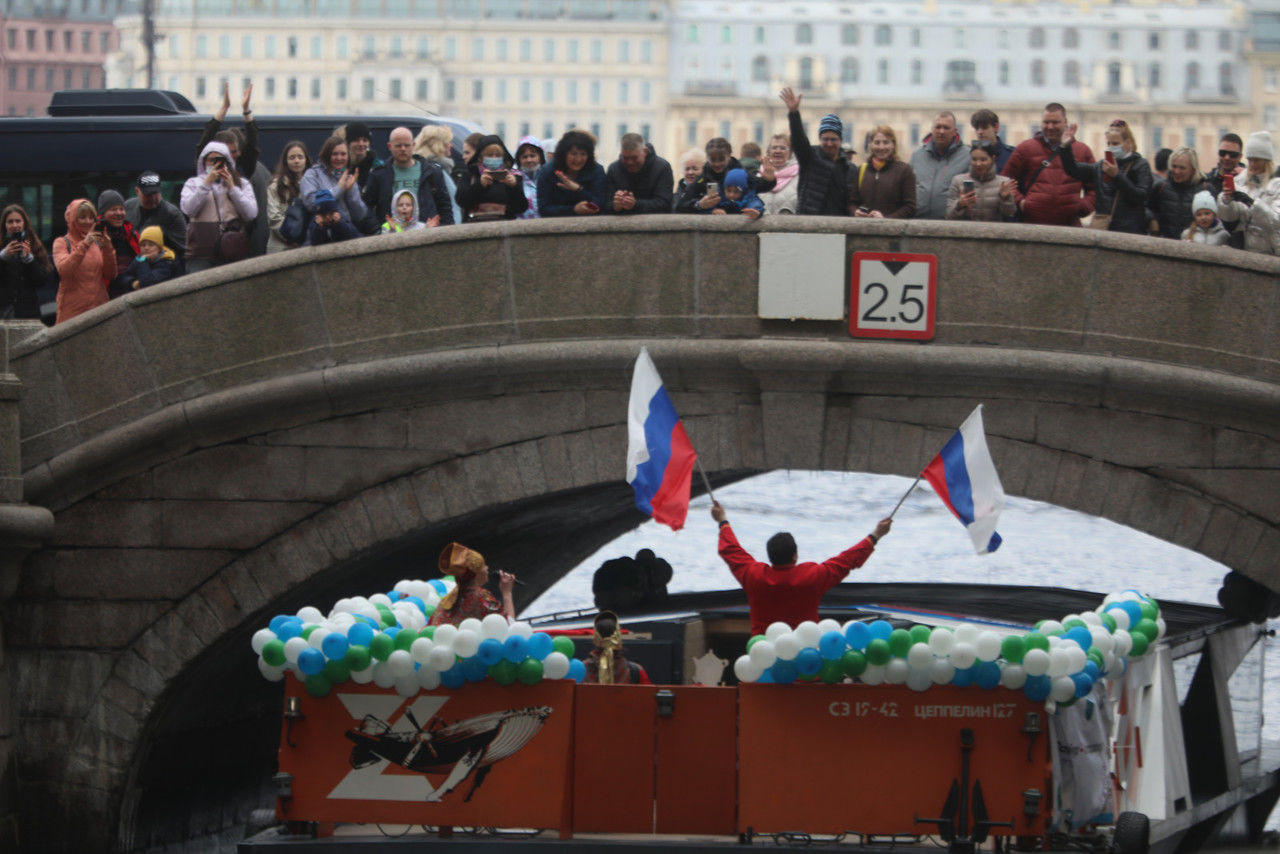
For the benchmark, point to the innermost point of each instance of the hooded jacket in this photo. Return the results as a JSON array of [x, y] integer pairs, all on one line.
[[498, 200], [651, 185], [211, 206], [691, 194], [934, 171], [1054, 197], [395, 225], [1260, 220], [1123, 196], [432, 193], [1216, 235], [530, 181], [83, 268], [554, 200]]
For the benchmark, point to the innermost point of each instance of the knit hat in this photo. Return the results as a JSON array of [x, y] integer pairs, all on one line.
[[325, 203], [1258, 145], [831, 122], [110, 198], [357, 130], [156, 236], [1203, 201], [736, 178]]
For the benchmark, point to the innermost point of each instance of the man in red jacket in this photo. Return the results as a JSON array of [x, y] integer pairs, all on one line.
[[783, 590], [1045, 193]]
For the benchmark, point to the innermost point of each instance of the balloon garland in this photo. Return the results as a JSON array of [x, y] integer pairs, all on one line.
[[385, 639], [1060, 660]]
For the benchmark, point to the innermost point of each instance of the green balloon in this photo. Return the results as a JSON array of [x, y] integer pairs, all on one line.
[[1146, 627], [381, 646], [1066, 703], [878, 651], [273, 653], [428, 632], [358, 657], [307, 630], [337, 671], [405, 639], [831, 672], [1040, 623], [1012, 648], [388, 619], [755, 639], [564, 645], [428, 610], [1149, 609], [318, 685], [1108, 621], [1140, 644], [853, 663], [529, 671], [920, 634], [504, 672], [1095, 656], [808, 677], [900, 642], [1073, 622], [1035, 640]]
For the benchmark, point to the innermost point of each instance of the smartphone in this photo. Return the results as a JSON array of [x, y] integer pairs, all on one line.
[[864, 209], [713, 188], [967, 186], [593, 207], [99, 224], [1111, 158], [1228, 184], [18, 236]]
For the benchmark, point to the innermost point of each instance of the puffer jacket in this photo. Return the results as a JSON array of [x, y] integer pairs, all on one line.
[[1123, 196], [990, 205], [1170, 204], [83, 268], [933, 173], [822, 185], [1055, 197], [1215, 236], [1260, 220], [210, 206]]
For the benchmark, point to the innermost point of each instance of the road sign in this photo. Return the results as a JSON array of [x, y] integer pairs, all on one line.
[[893, 295]]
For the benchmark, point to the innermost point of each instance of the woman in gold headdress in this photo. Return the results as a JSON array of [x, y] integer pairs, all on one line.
[[606, 664], [469, 598]]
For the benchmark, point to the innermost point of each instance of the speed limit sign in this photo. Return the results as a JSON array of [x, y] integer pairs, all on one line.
[[893, 295]]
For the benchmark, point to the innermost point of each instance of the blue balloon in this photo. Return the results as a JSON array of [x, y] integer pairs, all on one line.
[[370, 622], [1083, 683], [440, 586], [311, 661], [453, 677], [360, 634], [1133, 609], [987, 675], [832, 645], [858, 635], [277, 621], [391, 631], [540, 645], [1037, 688], [490, 651], [964, 678], [1081, 636], [334, 645], [473, 669], [881, 629], [784, 672], [1092, 670], [809, 661], [395, 596], [289, 628], [515, 649], [577, 670], [766, 677], [417, 602]]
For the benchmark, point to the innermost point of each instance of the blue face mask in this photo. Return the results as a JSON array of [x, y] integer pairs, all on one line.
[[493, 164]]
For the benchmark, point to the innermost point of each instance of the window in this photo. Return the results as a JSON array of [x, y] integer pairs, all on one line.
[[200, 87], [66, 79], [884, 35], [691, 34], [594, 97], [958, 37], [624, 91], [1224, 40], [175, 45], [501, 50], [622, 130], [849, 70], [246, 47], [477, 48], [366, 88], [1157, 138], [758, 35], [882, 71], [524, 128], [804, 34], [1036, 37], [1153, 40], [525, 89], [342, 88], [48, 79], [344, 47], [1193, 40], [962, 74], [1037, 72], [1071, 73], [848, 34], [477, 91], [1113, 78], [420, 89], [1070, 37], [1193, 75], [271, 87], [760, 69], [315, 88], [549, 91], [48, 39], [11, 39], [202, 46], [1226, 85], [646, 49], [913, 131], [1153, 75], [917, 72], [915, 37], [1113, 40], [526, 50], [1270, 78], [1004, 73], [1002, 38], [269, 47], [595, 129], [501, 94], [31, 40], [726, 36], [547, 130], [423, 47], [548, 50], [317, 47], [13, 77], [450, 47], [806, 72], [292, 88], [224, 47], [86, 41], [450, 90], [1269, 117], [726, 130], [104, 42], [597, 50], [1189, 137], [571, 90], [291, 47]]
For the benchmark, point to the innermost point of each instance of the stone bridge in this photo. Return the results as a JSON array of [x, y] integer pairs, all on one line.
[[201, 455]]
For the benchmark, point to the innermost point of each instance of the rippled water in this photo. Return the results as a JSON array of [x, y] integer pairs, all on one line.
[[1044, 545]]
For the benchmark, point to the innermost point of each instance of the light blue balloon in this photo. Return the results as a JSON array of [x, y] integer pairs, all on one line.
[[809, 661], [881, 629], [490, 651], [277, 621], [577, 670], [1081, 636], [1037, 688], [311, 661], [334, 646], [417, 602], [291, 627], [540, 645], [439, 586], [766, 677], [360, 634], [515, 649], [832, 645], [858, 635], [1083, 683], [474, 670]]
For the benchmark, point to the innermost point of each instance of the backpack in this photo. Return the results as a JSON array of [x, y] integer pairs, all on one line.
[[294, 226]]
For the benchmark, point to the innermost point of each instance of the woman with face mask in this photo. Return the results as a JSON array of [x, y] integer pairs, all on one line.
[[530, 157], [495, 188], [1122, 178]]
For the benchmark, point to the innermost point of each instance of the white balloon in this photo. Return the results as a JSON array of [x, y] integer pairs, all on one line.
[[318, 634], [1076, 658], [466, 642], [342, 621], [1035, 662], [763, 654], [942, 672], [897, 671], [941, 640], [380, 599], [428, 678], [261, 638], [1051, 627], [1055, 641], [1124, 642], [787, 647], [382, 675], [988, 646], [407, 686], [444, 634], [420, 649], [471, 624], [1059, 662], [555, 665], [292, 647], [808, 634], [362, 677], [440, 658], [873, 675], [1013, 677], [402, 586], [829, 625], [272, 672], [1102, 639], [1121, 617], [920, 657], [1091, 619], [919, 680], [310, 614], [522, 629], [1161, 627], [400, 663], [966, 633], [963, 654], [776, 630], [746, 669], [494, 626], [1063, 689]]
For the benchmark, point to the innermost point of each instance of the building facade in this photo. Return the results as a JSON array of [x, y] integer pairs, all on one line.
[[46, 46]]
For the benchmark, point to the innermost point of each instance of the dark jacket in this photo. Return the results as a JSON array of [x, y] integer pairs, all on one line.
[[554, 200], [147, 273], [651, 185], [1170, 204], [891, 190], [18, 283], [1124, 196], [125, 242], [1003, 152], [690, 194], [479, 202], [822, 182], [433, 198], [318, 235], [1054, 196], [166, 215]]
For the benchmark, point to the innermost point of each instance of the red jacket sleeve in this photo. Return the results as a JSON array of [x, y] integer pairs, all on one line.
[[838, 567], [734, 554]]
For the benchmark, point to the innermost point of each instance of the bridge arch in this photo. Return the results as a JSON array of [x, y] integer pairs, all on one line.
[[199, 488]]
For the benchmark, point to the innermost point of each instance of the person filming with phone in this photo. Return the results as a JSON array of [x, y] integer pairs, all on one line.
[[1122, 179], [24, 266], [980, 195], [220, 204], [575, 184], [496, 188], [85, 261]]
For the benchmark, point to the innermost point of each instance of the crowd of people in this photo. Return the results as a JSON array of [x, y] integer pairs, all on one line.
[[234, 207]]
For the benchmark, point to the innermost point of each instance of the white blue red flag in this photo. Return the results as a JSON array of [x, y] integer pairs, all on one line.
[[659, 455], [965, 478]]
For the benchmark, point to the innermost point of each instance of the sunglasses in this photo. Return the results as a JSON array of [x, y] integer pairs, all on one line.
[[1222, 152]]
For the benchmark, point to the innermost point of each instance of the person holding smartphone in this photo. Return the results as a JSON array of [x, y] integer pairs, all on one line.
[[1122, 179], [980, 194], [573, 183], [85, 261], [24, 265], [884, 186], [495, 189]]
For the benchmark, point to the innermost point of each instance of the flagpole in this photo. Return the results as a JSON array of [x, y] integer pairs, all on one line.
[[705, 482], [905, 494]]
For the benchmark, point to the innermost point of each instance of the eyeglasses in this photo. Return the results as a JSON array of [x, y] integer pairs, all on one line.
[[1222, 152]]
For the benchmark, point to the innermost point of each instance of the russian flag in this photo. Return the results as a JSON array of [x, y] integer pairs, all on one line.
[[965, 478], [659, 455]]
